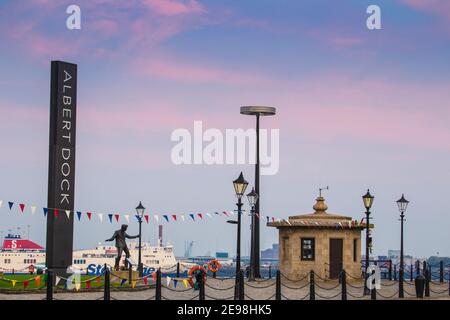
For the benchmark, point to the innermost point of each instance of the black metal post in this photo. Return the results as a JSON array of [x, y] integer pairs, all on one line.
[[107, 288], [448, 273], [401, 293], [278, 286], [373, 291], [270, 271], [158, 285], [140, 267], [255, 220], [201, 294], [49, 285], [411, 272], [424, 267], [417, 267], [241, 285], [427, 282], [178, 269], [343, 279], [312, 289], [130, 274], [238, 249], [366, 275], [441, 271], [395, 272], [390, 270], [252, 269]]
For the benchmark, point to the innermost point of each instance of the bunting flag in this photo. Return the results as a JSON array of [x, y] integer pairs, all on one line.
[[137, 217], [33, 209], [25, 284], [98, 280], [146, 218], [100, 216], [157, 218], [209, 215], [88, 284], [257, 215], [77, 286], [117, 217], [175, 282], [133, 283], [57, 280], [154, 276], [38, 281], [267, 219], [217, 213], [185, 282], [122, 282], [127, 217], [13, 282], [174, 217], [1, 203], [22, 207], [273, 219], [225, 213], [110, 216], [200, 215], [89, 215], [10, 205], [56, 213], [166, 217], [183, 217], [79, 215], [168, 280], [68, 214], [145, 280], [192, 216]]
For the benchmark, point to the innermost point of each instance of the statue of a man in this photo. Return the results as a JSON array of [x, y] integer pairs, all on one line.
[[121, 244]]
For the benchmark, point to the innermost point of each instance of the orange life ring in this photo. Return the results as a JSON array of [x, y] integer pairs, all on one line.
[[214, 265], [192, 271]]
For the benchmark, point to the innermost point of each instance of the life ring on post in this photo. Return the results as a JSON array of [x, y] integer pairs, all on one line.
[[214, 265], [193, 271]]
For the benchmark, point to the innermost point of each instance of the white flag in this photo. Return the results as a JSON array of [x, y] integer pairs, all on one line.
[[156, 218], [1, 202], [168, 280], [57, 279], [77, 285], [127, 217], [231, 212], [209, 215], [182, 217], [100, 216], [68, 214], [33, 209]]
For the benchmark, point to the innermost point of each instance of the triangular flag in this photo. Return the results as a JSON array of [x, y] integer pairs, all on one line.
[[68, 214], [98, 279], [22, 206], [123, 282], [127, 217], [137, 217], [25, 284], [156, 218], [1, 203], [133, 283], [45, 211], [166, 217], [146, 218], [117, 217], [13, 282], [145, 280], [38, 281], [10, 204], [200, 215], [192, 216], [89, 215], [174, 217], [77, 286], [110, 216], [225, 213], [183, 217], [56, 213], [217, 213], [100, 216], [57, 279], [154, 276], [175, 282], [88, 284], [185, 283], [267, 219], [168, 280], [79, 215], [33, 209], [273, 219], [209, 215]]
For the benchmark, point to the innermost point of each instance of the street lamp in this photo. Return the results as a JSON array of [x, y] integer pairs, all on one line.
[[368, 201], [140, 209], [257, 111], [402, 204], [240, 185], [252, 200]]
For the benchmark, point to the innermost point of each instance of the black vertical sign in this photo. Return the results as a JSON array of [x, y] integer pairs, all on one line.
[[61, 175]]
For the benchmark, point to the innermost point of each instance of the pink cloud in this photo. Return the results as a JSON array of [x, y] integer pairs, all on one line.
[[437, 7], [175, 7]]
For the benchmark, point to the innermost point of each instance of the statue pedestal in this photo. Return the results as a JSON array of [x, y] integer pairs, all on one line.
[[117, 276]]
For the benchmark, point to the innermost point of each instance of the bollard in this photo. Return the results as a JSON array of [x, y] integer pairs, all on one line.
[[201, 294], [390, 270], [178, 269], [441, 271], [373, 291], [343, 279], [130, 274], [401, 293], [411, 272], [241, 285], [236, 285], [427, 282], [158, 285], [417, 267], [278, 286], [312, 290], [49, 285], [420, 285], [270, 271], [395, 272], [107, 288], [424, 267], [449, 281]]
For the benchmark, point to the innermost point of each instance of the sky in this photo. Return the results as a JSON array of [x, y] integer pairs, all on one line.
[[356, 109]]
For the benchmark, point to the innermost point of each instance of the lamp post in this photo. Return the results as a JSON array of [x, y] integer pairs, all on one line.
[[368, 201], [252, 200], [240, 185], [140, 214], [257, 111], [402, 204]]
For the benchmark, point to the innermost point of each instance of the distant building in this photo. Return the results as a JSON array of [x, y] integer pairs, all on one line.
[[271, 253], [319, 241]]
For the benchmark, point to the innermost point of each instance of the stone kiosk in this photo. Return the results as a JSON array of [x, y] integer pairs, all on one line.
[[319, 241]]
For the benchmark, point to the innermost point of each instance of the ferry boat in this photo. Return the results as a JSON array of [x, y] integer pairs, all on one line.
[[21, 256]]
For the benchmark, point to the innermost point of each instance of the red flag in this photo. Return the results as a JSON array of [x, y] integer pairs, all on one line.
[[174, 216], [89, 214], [145, 280], [56, 212], [25, 284], [154, 276], [22, 206], [257, 215], [88, 284], [98, 279], [146, 217], [273, 219], [117, 217], [225, 213], [200, 215]]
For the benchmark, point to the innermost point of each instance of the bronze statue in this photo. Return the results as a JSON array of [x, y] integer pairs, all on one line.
[[121, 244]]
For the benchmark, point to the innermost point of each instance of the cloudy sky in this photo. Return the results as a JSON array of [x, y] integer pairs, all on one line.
[[356, 109]]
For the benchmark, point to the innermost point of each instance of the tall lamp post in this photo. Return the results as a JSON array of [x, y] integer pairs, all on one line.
[[240, 185], [257, 111], [140, 209], [252, 200], [368, 201], [402, 204]]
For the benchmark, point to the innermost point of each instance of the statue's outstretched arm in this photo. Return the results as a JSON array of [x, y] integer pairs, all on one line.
[[112, 238], [130, 237]]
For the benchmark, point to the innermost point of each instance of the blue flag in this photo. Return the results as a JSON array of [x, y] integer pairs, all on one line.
[[192, 216], [123, 282], [45, 211], [10, 205], [110, 217], [166, 217], [79, 215]]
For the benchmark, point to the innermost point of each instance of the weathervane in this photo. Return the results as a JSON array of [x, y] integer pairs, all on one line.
[[320, 190]]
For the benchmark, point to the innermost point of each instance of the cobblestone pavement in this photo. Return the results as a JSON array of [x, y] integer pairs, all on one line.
[[224, 290]]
